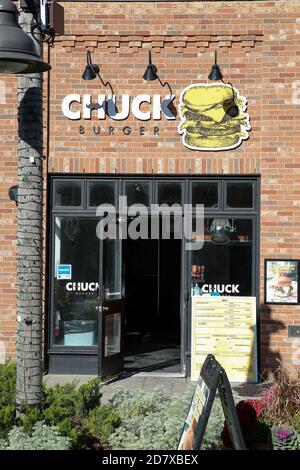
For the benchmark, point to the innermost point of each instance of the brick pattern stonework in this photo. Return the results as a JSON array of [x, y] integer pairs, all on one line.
[[258, 46], [198, 43]]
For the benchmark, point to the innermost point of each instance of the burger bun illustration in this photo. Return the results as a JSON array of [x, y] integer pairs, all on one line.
[[213, 117]]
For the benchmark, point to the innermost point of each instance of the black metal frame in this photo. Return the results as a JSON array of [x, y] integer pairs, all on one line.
[[185, 308], [265, 281]]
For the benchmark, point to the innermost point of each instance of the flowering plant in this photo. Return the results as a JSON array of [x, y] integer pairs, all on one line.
[[284, 438]]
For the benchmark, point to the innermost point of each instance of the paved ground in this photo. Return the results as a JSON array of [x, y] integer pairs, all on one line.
[[173, 385]]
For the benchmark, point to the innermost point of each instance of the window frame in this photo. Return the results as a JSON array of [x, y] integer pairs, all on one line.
[[238, 209], [173, 180], [206, 180], [98, 180], [71, 208], [137, 180]]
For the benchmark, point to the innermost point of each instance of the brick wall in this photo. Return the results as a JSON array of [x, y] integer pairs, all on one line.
[[258, 46]]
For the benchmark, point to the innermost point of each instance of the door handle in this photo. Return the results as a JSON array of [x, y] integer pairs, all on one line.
[[102, 309]]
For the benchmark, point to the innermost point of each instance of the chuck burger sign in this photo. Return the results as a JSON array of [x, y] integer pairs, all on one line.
[[212, 117]]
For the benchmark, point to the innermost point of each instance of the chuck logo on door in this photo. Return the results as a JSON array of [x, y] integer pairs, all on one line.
[[213, 117]]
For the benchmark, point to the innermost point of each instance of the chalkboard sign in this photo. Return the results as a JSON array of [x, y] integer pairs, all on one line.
[[212, 378]]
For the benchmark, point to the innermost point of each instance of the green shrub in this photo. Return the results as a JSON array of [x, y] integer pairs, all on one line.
[[43, 438], [7, 420], [65, 406], [89, 397], [296, 422], [62, 401], [72, 428], [102, 422], [283, 438], [31, 416], [7, 384], [154, 421]]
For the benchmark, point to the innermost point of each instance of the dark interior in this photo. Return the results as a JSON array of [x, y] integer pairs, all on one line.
[[152, 305]]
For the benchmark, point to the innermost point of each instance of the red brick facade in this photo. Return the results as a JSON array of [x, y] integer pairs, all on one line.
[[258, 44]]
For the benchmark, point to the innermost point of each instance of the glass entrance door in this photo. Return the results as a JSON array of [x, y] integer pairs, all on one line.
[[111, 309], [87, 304]]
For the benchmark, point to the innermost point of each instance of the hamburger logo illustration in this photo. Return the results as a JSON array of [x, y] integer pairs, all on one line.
[[213, 117]]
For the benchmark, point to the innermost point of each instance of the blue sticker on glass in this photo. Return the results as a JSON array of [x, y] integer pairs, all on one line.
[[64, 272]]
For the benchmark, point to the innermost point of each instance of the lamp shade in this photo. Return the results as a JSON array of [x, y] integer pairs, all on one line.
[[215, 73], [89, 73], [151, 71], [220, 230], [18, 53], [91, 70]]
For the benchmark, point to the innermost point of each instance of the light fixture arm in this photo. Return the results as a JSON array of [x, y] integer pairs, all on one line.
[[233, 95], [165, 84], [222, 80], [105, 84], [89, 58], [97, 72]]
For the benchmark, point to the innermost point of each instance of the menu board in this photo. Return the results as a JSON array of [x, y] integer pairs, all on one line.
[[199, 402], [226, 328]]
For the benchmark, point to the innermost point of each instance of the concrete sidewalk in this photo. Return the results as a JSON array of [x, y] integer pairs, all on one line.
[[147, 382]]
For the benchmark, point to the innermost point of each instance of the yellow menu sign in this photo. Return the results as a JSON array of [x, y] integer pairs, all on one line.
[[226, 328]]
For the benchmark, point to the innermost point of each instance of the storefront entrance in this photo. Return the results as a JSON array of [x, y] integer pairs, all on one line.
[[119, 299], [148, 304], [152, 305]]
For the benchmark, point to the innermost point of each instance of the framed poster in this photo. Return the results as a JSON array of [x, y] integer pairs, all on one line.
[[281, 281]]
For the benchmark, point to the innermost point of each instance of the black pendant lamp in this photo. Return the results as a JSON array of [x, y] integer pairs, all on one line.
[[215, 73], [91, 70], [18, 53], [151, 74], [151, 71]]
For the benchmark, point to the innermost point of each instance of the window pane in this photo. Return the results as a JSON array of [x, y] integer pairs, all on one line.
[[112, 268], [76, 278], [169, 193], [220, 265], [112, 334], [68, 193], [137, 193], [102, 192], [205, 193], [240, 194]]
